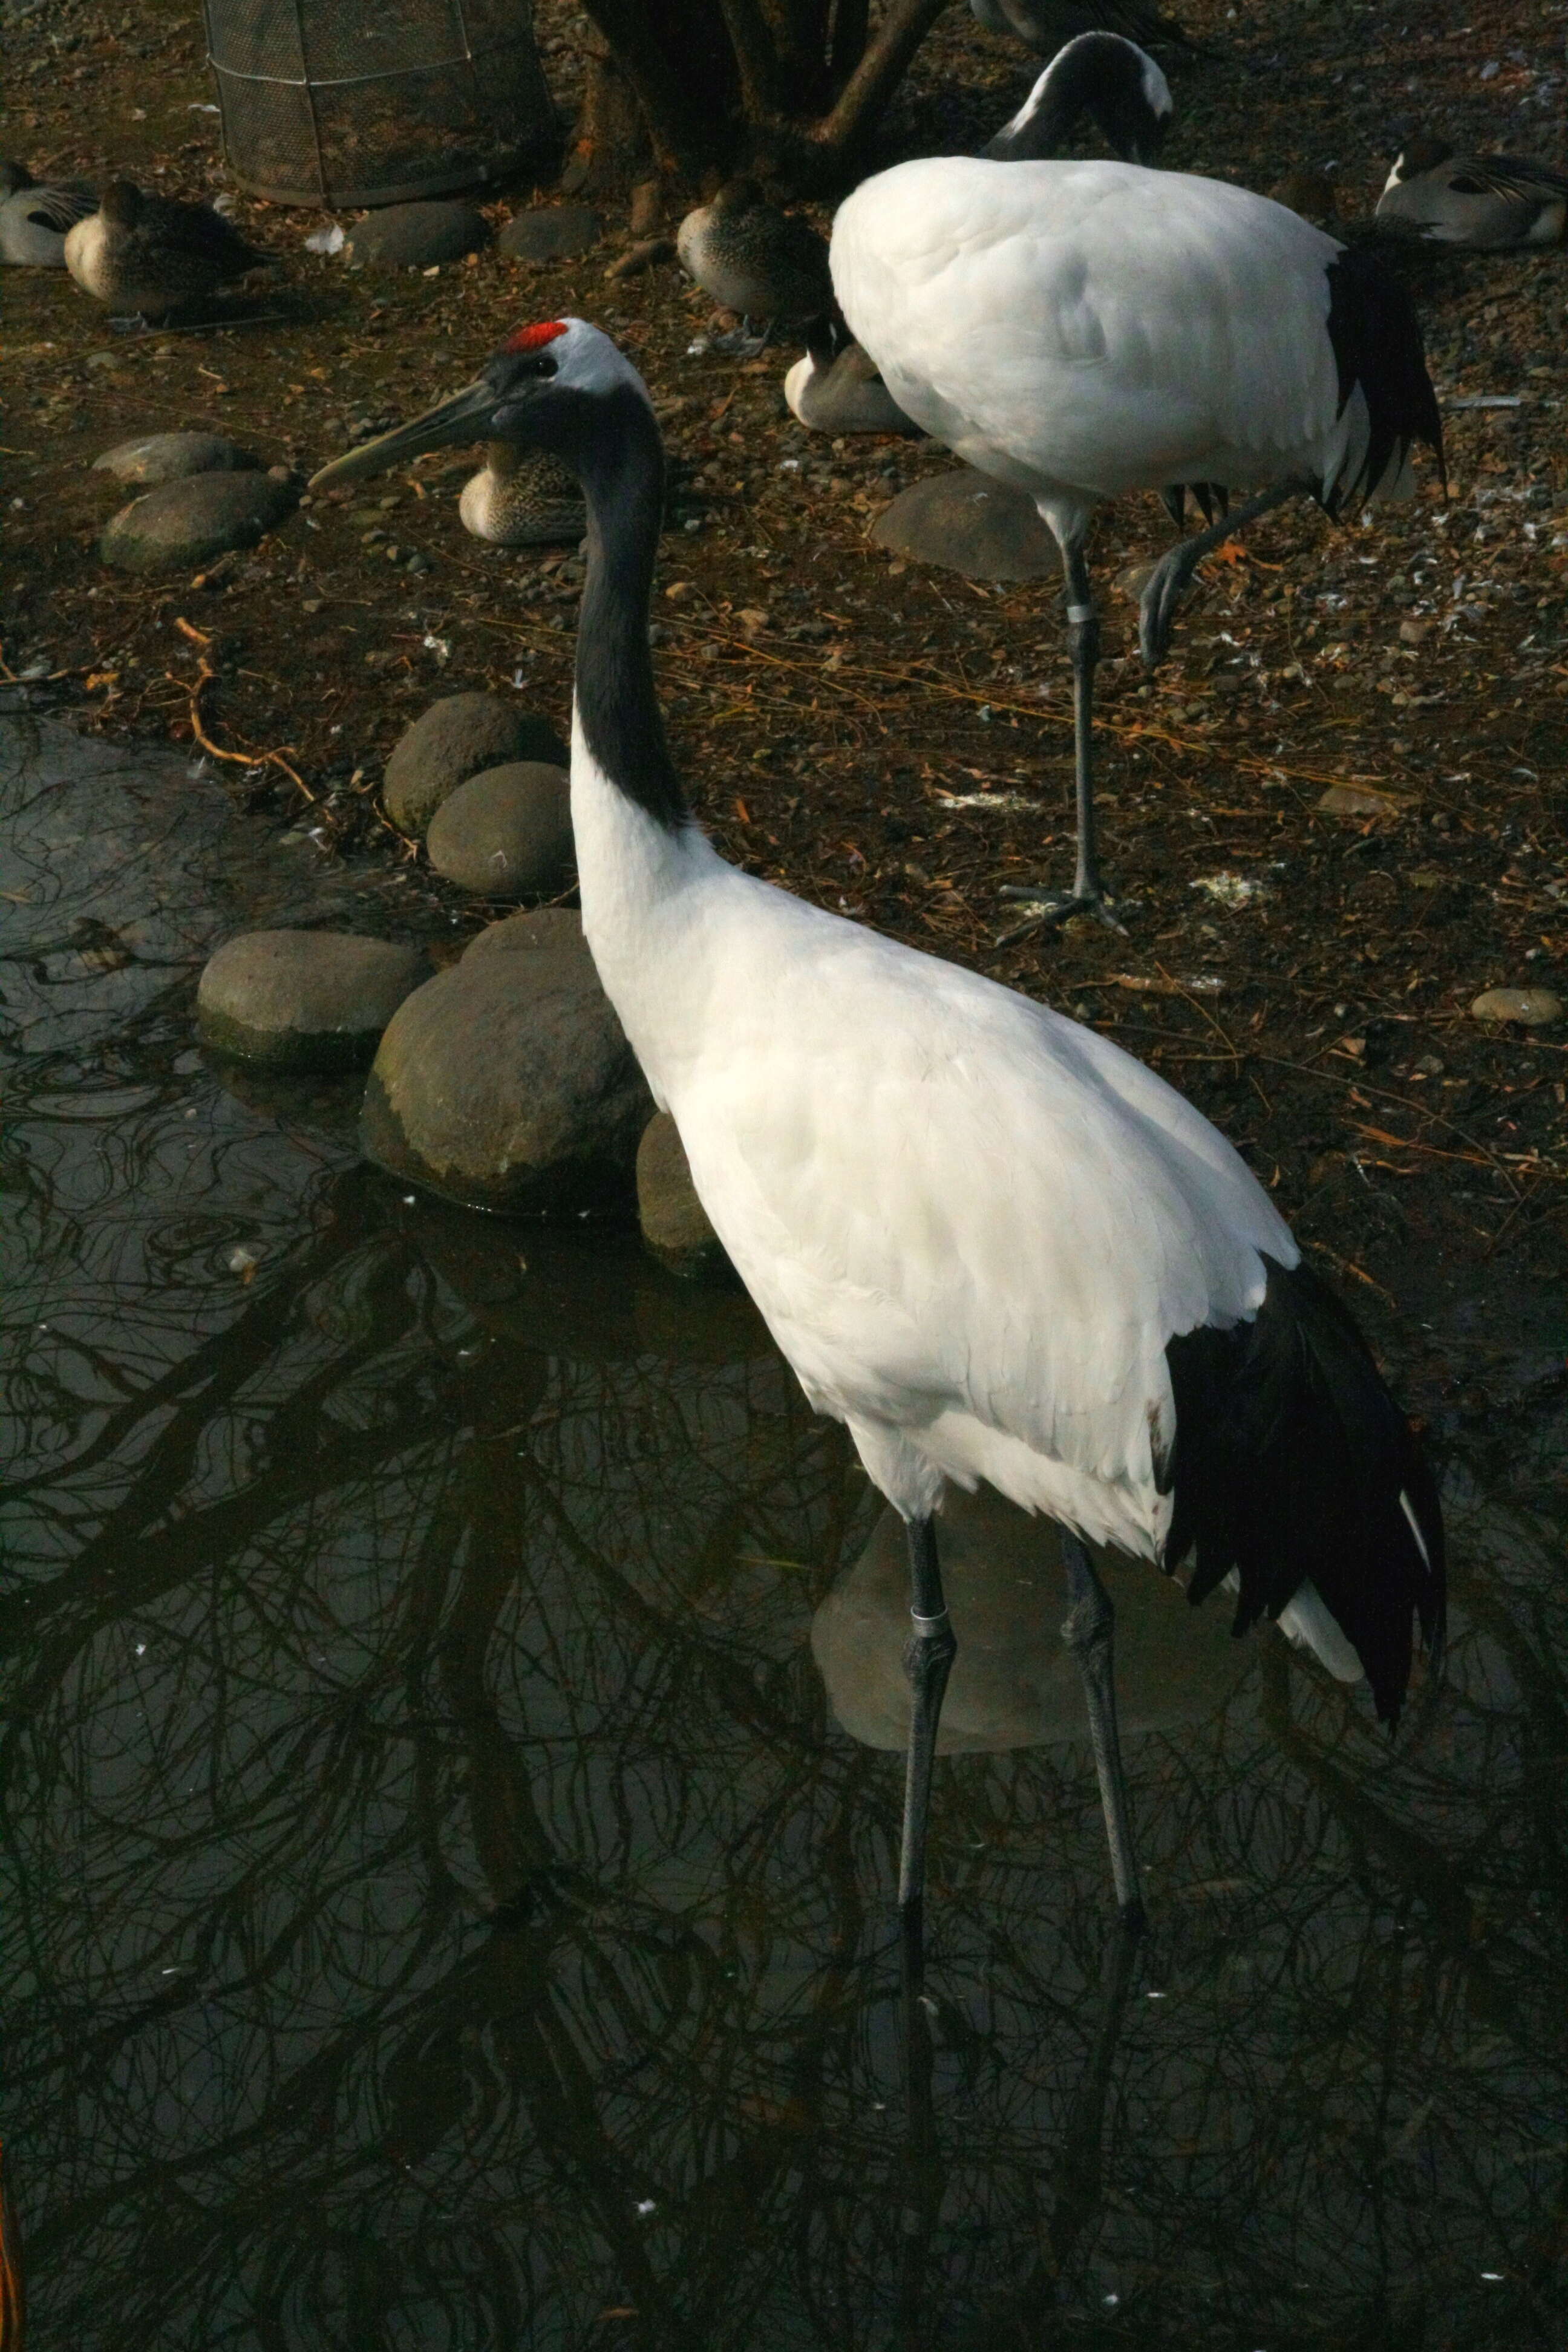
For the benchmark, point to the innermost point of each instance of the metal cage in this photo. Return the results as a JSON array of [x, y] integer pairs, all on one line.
[[338, 102]]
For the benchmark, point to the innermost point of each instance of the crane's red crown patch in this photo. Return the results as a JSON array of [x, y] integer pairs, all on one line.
[[533, 339]]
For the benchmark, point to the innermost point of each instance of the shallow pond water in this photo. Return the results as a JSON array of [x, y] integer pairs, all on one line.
[[445, 1906]]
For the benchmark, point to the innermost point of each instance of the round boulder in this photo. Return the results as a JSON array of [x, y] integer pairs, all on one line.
[[553, 927], [972, 525], [507, 833], [551, 233], [1534, 1008], [675, 1224], [1014, 1684], [160, 457], [418, 237], [456, 738], [507, 1083], [187, 522], [304, 1000]]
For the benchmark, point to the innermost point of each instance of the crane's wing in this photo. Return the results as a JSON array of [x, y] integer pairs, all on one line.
[[996, 1245], [1051, 309], [953, 1205]]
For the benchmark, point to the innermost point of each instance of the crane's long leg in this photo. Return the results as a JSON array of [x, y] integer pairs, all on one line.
[[1088, 1630], [1172, 575], [1087, 893], [927, 1661]]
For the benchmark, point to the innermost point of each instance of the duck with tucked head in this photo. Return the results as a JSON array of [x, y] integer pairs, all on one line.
[[34, 216], [522, 498], [147, 256], [1484, 203], [765, 264]]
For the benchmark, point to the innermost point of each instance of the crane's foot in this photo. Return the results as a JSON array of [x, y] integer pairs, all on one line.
[[1163, 592], [741, 342], [1038, 909]]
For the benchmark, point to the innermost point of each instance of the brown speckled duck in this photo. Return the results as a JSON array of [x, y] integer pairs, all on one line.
[[523, 497], [148, 255], [755, 259]]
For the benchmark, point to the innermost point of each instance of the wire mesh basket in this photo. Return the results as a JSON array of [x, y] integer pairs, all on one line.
[[338, 102]]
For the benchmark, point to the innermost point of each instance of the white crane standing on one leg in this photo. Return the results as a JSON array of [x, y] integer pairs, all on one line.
[[1083, 329]]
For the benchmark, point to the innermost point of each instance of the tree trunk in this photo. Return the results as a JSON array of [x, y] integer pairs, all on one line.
[[610, 149], [787, 90]]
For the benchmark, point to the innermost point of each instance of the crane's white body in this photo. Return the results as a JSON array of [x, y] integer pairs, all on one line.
[[971, 1224], [1081, 329]]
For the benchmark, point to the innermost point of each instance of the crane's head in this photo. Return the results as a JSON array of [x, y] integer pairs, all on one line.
[[1101, 74], [550, 386]]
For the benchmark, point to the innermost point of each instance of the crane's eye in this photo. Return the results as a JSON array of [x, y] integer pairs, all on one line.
[[542, 364]]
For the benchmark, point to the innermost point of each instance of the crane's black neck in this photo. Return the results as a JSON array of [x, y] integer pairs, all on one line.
[[618, 457]]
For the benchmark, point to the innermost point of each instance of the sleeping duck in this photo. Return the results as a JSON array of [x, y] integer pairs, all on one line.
[[1486, 203]]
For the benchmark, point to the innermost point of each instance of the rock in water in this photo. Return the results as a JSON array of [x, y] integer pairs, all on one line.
[[1014, 1682], [160, 457], [551, 233], [418, 237], [674, 1222], [972, 525], [456, 738], [508, 1083], [507, 833], [304, 1000], [189, 521]]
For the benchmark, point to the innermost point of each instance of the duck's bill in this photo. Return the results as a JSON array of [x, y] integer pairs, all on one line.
[[465, 417]]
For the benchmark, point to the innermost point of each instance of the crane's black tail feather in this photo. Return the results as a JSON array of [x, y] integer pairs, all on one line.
[[1292, 1461], [1376, 340]]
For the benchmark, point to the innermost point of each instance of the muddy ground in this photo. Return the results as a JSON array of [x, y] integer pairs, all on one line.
[[895, 741]]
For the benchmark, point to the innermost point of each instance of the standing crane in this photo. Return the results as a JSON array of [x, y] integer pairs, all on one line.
[[988, 1240], [1082, 329]]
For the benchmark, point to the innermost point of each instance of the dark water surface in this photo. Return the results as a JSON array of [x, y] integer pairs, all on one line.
[[443, 1909]]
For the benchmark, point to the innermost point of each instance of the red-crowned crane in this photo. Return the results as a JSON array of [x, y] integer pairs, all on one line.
[[1083, 329], [992, 1244]]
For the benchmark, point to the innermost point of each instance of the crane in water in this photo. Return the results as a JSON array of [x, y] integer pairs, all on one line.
[[992, 1244]]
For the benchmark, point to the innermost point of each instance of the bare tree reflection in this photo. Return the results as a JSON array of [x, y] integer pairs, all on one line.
[[445, 1913]]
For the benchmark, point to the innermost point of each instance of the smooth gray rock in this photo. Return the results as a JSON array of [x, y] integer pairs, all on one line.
[[160, 457], [418, 237], [551, 233], [1014, 1684], [1536, 1008], [675, 1224], [972, 525], [557, 928], [507, 1082], [507, 833], [304, 1000], [456, 738], [189, 521]]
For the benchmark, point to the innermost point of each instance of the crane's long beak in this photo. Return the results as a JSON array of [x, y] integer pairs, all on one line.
[[465, 417]]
